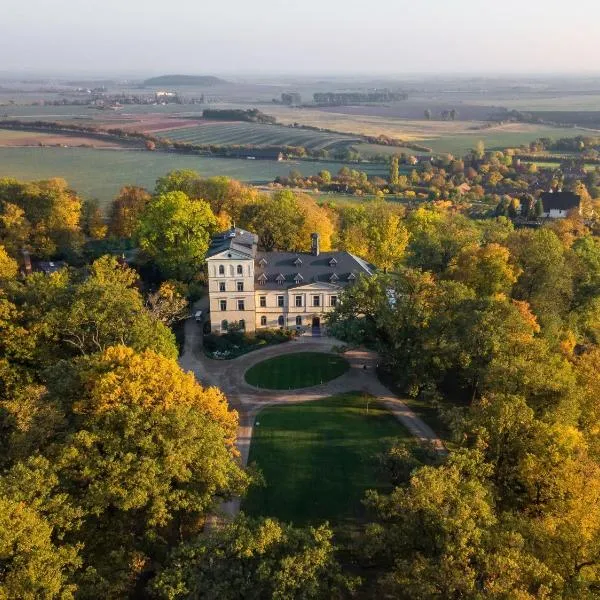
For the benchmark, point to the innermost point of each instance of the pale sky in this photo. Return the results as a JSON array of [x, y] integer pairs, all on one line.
[[150, 37]]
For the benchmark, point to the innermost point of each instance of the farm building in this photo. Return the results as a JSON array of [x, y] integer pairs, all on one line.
[[557, 205]]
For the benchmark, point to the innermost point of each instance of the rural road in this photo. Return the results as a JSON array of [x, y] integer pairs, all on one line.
[[228, 375]]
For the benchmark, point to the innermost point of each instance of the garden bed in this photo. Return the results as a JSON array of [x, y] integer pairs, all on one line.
[[236, 343]]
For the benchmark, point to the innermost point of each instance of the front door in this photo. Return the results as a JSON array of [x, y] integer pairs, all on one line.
[[316, 323]]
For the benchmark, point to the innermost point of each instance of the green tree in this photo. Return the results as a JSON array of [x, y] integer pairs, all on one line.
[[255, 559], [67, 315], [181, 180], [277, 222], [175, 233]]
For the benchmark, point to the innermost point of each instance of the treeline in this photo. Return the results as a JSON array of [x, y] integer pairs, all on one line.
[[347, 98], [498, 330], [252, 115], [489, 177]]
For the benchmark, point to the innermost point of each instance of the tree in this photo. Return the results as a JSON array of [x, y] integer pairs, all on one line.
[[325, 176], [180, 180], [93, 224], [168, 304], [487, 269], [148, 453], [277, 222], [51, 214], [8, 267], [32, 565], [126, 209], [66, 316], [175, 233], [479, 151], [394, 166], [255, 559]]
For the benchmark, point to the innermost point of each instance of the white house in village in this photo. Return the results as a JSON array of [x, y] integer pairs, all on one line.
[[274, 289], [558, 205]]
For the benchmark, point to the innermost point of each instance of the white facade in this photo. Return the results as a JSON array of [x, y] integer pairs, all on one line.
[[236, 298]]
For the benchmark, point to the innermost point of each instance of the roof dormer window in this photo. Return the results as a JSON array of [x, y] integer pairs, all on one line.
[[262, 279], [298, 278], [351, 277], [263, 262], [333, 277], [298, 261], [332, 261], [280, 279]]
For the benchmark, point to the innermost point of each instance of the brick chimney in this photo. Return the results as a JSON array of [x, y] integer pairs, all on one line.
[[25, 262], [315, 243]]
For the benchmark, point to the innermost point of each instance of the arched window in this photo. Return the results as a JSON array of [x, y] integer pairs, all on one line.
[[242, 323], [221, 269], [224, 325], [281, 321], [298, 320], [240, 270], [263, 321]]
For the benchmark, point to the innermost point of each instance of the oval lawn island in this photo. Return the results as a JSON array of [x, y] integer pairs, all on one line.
[[297, 370]]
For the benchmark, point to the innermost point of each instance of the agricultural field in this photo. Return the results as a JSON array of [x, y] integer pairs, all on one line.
[[13, 138], [100, 173], [255, 134]]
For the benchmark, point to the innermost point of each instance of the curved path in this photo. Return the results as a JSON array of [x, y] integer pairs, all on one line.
[[248, 400]]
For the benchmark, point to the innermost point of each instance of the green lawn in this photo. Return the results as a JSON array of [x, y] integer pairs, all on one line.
[[318, 459], [298, 370]]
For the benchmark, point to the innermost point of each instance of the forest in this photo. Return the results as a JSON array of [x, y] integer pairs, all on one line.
[[113, 460]]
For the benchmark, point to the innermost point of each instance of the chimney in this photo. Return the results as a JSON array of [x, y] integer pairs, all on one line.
[[315, 244], [25, 262]]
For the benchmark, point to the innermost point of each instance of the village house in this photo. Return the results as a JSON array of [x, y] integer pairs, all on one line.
[[558, 205], [275, 289]]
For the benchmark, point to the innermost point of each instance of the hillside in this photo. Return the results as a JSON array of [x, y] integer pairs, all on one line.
[[184, 80]]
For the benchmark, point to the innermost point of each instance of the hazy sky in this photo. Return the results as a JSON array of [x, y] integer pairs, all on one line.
[[303, 36]]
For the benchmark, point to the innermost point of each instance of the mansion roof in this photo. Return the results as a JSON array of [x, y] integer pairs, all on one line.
[[282, 270], [277, 270]]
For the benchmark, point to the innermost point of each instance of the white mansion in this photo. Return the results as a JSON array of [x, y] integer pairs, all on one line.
[[274, 289]]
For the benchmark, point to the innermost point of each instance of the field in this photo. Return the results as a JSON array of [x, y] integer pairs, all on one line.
[[10, 138], [257, 135], [318, 459], [298, 370], [101, 173], [455, 137]]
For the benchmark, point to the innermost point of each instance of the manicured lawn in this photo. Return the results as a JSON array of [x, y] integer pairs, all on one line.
[[298, 370], [318, 459]]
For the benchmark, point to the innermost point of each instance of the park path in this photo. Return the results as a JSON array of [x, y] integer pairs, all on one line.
[[228, 375]]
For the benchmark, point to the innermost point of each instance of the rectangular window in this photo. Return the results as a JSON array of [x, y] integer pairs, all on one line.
[[240, 286], [333, 300], [263, 301], [223, 304], [221, 286], [298, 300], [241, 305], [280, 301], [316, 300]]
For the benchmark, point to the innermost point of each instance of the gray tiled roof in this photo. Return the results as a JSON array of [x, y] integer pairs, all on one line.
[[321, 268], [242, 241]]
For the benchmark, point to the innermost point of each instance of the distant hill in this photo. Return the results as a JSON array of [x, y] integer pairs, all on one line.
[[184, 80]]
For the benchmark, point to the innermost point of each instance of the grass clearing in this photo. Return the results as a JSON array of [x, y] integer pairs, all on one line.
[[295, 371], [318, 459]]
